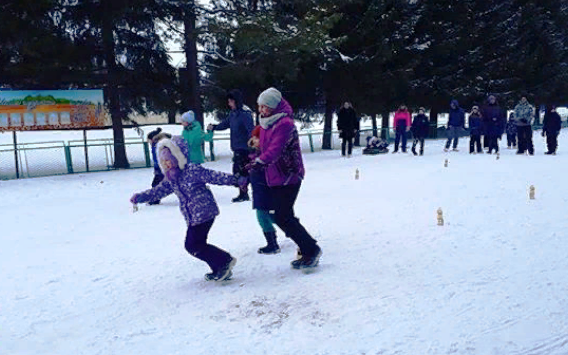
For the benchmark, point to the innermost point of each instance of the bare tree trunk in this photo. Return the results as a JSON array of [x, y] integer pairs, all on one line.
[[434, 122], [374, 123], [327, 127], [357, 142], [191, 98], [385, 124], [172, 116], [112, 96]]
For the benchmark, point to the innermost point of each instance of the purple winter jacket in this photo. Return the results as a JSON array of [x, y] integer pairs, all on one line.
[[280, 149], [196, 201]]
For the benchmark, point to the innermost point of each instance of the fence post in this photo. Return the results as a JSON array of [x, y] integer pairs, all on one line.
[[147, 155], [311, 142], [211, 151], [16, 154], [68, 159], [86, 150]]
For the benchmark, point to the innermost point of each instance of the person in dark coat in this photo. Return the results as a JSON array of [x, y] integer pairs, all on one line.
[[419, 130], [475, 131], [551, 128], [153, 138], [494, 120], [347, 126], [241, 124], [511, 132], [456, 123]]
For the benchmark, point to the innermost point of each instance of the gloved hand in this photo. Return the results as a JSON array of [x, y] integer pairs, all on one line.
[[210, 127], [134, 199], [254, 165]]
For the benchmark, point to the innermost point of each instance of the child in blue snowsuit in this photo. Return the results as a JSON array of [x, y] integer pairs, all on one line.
[[197, 204]]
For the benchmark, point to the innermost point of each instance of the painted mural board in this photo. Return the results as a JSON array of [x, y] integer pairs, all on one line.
[[28, 110]]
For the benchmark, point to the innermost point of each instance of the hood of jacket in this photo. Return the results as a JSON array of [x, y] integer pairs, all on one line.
[[236, 95]]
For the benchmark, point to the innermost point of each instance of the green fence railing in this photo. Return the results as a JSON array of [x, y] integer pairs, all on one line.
[[26, 160]]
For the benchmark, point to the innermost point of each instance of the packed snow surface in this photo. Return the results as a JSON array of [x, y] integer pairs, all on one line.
[[83, 274]]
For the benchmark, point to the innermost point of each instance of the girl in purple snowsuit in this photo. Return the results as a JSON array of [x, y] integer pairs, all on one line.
[[197, 204]]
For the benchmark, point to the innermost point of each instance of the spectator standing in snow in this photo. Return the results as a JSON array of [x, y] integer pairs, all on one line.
[[402, 123], [241, 124], [456, 122], [281, 160], [153, 138], [524, 117], [419, 129], [194, 136], [511, 132], [494, 121], [347, 126], [475, 131], [551, 128], [197, 204]]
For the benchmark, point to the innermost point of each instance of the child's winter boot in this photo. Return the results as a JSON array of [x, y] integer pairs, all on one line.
[[271, 246]]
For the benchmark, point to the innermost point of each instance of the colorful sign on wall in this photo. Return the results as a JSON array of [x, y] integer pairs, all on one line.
[[30, 110]]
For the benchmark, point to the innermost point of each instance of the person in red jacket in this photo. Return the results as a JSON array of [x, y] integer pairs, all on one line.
[[402, 123]]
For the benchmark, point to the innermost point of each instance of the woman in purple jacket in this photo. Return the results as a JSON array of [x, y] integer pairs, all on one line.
[[197, 204], [281, 159]]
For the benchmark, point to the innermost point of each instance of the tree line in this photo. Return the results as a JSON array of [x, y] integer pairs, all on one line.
[[377, 54]]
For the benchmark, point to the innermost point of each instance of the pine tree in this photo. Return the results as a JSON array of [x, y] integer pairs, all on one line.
[[122, 42]]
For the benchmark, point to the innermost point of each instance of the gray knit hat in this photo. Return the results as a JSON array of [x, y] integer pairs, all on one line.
[[270, 97]]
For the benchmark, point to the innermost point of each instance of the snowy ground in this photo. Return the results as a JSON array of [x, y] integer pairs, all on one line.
[[82, 274]]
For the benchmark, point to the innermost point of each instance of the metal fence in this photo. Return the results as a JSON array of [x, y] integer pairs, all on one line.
[[27, 160]]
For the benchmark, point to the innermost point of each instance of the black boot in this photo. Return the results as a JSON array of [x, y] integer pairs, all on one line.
[[271, 244], [223, 273], [243, 196], [306, 261], [414, 150]]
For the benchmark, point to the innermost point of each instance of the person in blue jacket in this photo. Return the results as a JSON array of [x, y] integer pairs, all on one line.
[[241, 125]]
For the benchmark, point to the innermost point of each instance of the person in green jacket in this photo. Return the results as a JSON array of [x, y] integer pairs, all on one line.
[[194, 136]]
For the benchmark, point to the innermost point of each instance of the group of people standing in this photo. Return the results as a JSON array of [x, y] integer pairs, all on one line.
[[488, 121], [268, 157], [491, 122]]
